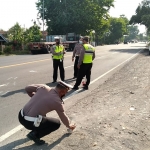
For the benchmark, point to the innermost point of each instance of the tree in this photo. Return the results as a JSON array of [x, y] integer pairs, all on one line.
[[33, 34], [133, 32], [142, 14], [15, 33], [20, 36], [74, 15], [118, 28]]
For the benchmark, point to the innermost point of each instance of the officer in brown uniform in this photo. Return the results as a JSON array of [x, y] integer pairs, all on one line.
[[76, 53], [44, 100]]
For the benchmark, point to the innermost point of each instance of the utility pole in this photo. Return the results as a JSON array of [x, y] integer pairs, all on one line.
[[43, 19]]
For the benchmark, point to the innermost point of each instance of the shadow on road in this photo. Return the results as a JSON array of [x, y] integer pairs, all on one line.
[[13, 92], [10, 93], [132, 51], [19, 144]]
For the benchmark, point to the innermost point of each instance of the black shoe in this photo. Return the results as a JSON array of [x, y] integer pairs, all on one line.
[[75, 88], [33, 137], [85, 88], [54, 81]]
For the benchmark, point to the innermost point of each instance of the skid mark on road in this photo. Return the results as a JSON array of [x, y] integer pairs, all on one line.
[[18, 128]]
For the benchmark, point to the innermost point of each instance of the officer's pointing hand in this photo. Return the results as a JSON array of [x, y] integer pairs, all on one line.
[[72, 59]]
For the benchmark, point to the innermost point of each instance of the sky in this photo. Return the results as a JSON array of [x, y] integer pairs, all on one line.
[[24, 11]]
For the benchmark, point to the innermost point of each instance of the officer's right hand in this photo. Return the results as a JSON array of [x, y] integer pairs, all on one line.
[[72, 59], [72, 127]]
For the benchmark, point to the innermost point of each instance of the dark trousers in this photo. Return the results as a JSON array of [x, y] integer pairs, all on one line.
[[60, 64], [85, 70], [47, 125], [76, 66]]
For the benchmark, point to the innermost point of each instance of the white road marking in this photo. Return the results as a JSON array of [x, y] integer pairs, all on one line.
[[8, 134], [116, 67], [32, 71], [4, 93], [4, 85], [13, 131], [114, 53], [15, 78], [9, 78], [69, 66], [99, 57]]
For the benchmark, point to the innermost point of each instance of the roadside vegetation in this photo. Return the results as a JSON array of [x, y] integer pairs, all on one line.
[[81, 17]]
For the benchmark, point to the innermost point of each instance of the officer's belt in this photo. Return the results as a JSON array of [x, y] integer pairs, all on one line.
[[37, 120]]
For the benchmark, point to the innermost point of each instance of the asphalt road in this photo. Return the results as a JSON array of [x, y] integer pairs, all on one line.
[[16, 72]]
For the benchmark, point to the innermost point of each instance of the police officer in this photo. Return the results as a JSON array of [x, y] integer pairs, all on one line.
[[85, 64], [76, 53], [44, 100], [58, 52]]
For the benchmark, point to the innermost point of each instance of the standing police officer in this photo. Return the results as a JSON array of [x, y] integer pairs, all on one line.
[[85, 64], [58, 52], [76, 53]]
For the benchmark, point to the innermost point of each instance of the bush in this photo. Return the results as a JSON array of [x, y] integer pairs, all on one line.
[[1, 53], [7, 50]]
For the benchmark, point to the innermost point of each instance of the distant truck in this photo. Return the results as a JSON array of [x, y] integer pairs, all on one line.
[[41, 47], [69, 40]]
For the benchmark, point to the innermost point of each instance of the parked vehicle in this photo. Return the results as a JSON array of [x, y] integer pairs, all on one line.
[[41, 47], [69, 40]]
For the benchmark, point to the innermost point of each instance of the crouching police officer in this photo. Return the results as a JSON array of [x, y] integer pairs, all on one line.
[[44, 100], [58, 52]]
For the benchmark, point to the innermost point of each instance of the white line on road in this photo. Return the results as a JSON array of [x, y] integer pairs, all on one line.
[[4, 85], [13, 131], [68, 66], [5, 93], [9, 78], [99, 57], [8, 134]]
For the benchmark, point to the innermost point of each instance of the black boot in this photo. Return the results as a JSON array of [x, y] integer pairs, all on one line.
[[32, 136]]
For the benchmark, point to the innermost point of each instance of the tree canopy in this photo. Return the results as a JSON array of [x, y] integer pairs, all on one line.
[[133, 32], [64, 16], [117, 29], [142, 14]]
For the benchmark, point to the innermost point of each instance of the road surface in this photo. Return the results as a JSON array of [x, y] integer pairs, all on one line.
[[16, 72]]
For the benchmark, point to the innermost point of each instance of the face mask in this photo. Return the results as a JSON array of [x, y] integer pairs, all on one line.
[[80, 42], [58, 42]]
